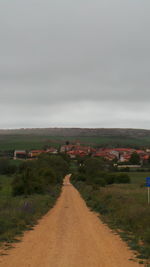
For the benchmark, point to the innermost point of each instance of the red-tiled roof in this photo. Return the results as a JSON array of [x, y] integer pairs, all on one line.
[[37, 151], [105, 155], [19, 152], [123, 149], [76, 152], [140, 151], [146, 157]]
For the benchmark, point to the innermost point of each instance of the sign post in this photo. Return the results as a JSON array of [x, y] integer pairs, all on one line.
[[148, 186]]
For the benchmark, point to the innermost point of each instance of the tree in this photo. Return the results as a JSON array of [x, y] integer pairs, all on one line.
[[135, 158], [6, 167], [93, 166], [40, 175]]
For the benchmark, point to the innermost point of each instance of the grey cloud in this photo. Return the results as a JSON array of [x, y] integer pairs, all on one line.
[[68, 55]]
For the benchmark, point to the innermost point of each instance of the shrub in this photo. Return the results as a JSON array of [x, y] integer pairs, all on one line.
[[122, 178], [6, 167], [38, 175]]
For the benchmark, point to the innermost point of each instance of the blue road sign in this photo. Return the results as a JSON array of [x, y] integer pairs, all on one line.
[[148, 181]]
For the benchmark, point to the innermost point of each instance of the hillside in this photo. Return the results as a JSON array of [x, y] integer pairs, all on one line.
[[42, 137], [77, 132]]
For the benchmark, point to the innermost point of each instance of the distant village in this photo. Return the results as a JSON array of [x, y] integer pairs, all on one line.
[[120, 155]]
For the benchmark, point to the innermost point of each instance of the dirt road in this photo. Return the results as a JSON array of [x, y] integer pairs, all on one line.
[[69, 236]]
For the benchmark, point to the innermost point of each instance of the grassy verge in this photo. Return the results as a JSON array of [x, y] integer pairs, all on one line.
[[20, 213], [123, 207]]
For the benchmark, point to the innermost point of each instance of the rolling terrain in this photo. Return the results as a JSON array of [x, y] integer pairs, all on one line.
[[42, 137], [76, 132]]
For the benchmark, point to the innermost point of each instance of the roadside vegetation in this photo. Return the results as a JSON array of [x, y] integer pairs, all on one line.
[[28, 193], [119, 198]]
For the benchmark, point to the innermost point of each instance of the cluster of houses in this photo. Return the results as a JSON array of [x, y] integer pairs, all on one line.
[[77, 150], [121, 154], [23, 154], [74, 150]]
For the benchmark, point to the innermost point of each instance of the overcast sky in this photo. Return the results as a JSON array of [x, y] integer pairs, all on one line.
[[75, 63]]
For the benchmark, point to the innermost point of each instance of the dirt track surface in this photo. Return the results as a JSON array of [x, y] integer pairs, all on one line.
[[70, 235]]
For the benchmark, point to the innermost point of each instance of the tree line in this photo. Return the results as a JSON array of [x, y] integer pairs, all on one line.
[[99, 172]]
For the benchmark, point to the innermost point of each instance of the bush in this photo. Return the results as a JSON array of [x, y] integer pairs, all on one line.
[[6, 167], [93, 166], [27, 183], [37, 176], [122, 178], [100, 181], [33, 191]]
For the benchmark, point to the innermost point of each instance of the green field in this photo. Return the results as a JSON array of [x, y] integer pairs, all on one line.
[[12, 142], [138, 178], [25, 142]]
